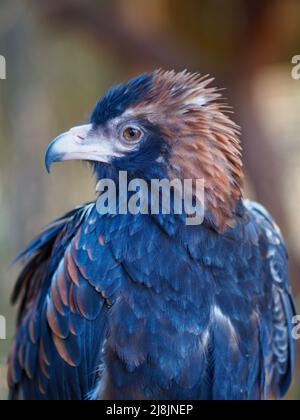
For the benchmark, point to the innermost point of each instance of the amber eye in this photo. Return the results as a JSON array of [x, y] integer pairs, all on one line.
[[132, 134]]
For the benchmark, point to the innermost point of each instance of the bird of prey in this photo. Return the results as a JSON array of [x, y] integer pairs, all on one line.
[[145, 306]]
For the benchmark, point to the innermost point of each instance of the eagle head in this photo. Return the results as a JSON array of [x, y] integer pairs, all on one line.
[[162, 125]]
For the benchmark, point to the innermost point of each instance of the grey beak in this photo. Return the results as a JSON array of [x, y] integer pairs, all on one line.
[[52, 155], [80, 143]]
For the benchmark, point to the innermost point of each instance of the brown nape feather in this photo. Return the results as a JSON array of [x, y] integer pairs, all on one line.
[[204, 141]]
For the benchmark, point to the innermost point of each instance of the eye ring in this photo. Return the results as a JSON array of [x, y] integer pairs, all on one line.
[[132, 134]]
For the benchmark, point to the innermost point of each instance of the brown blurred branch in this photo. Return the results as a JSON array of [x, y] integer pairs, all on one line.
[[107, 26], [266, 38]]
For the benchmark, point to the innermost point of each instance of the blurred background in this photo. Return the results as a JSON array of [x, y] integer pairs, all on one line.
[[62, 55]]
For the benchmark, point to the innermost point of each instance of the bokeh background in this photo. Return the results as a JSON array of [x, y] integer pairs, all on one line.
[[61, 56]]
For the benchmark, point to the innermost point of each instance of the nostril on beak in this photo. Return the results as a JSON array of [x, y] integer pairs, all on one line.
[[80, 133]]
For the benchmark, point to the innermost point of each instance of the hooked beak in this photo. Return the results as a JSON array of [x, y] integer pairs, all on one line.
[[80, 143]]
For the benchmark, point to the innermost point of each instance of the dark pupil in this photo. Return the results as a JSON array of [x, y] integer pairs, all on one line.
[[132, 132]]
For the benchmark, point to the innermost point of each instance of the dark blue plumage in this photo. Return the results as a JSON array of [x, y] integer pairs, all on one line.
[[120, 98], [146, 307]]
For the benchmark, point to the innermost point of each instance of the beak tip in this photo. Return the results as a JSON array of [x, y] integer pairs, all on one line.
[[48, 163], [51, 155]]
